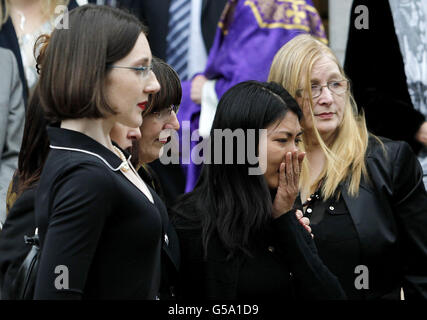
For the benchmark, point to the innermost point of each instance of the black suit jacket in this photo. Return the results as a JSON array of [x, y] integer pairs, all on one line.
[[155, 15], [9, 40], [374, 64], [390, 217]]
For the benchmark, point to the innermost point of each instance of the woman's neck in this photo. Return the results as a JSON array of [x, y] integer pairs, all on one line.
[[97, 129], [316, 159]]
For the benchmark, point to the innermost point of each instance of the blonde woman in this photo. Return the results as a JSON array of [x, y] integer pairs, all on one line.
[[364, 195], [21, 22]]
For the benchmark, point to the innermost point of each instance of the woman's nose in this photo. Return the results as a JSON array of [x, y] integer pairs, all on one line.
[[172, 122], [153, 84], [326, 96]]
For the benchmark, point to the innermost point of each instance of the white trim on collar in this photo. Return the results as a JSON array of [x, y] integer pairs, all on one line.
[[93, 154]]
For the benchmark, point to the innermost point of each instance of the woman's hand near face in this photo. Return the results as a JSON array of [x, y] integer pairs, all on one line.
[[288, 183]]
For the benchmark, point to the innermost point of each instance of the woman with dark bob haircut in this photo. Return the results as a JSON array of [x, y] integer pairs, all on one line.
[[159, 123], [99, 224], [239, 235]]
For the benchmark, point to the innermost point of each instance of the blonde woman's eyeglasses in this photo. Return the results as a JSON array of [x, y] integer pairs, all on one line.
[[337, 87]]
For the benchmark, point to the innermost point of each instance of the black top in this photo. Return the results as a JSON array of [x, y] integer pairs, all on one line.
[[285, 264], [273, 280], [96, 223], [336, 240]]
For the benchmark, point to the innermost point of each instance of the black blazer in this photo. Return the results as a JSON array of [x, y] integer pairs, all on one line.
[[20, 222], [155, 15], [374, 64], [390, 217], [9, 40]]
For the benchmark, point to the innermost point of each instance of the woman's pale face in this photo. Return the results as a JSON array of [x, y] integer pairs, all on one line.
[[282, 136], [127, 90], [155, 133], [328, 108], [123, 135]]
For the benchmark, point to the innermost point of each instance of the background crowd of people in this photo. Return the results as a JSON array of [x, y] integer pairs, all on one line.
[[92, 91]]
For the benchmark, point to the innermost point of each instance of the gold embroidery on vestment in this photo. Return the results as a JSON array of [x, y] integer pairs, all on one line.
[[284, 14], [281, 14]]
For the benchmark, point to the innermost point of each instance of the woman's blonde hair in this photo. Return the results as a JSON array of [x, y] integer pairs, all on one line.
[[345, 157], [48, 9]]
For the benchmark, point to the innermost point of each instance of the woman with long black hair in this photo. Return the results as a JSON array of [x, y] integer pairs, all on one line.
[[239, 235]]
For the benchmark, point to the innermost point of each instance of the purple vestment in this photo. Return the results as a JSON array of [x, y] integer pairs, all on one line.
[[249, 34]]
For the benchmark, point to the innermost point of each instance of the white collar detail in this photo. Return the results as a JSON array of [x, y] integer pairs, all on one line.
[[93, 154]]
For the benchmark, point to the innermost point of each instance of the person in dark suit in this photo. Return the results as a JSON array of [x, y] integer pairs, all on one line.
[[155, 15], [239, 234], [386, 63], [375, 65], [364, 194]]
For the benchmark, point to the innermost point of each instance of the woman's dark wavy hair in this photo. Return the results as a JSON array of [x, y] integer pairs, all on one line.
[[226, 200]]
